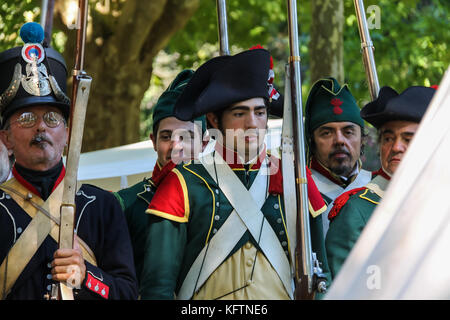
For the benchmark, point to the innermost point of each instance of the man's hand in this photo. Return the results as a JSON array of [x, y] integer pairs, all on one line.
[[68, 266]]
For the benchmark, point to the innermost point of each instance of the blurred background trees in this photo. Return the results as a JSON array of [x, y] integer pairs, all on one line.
[[135, 48]]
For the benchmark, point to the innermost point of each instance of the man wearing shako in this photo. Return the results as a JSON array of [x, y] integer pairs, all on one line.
[[221, 232], [396, 117], [170, 137], [35, 111]]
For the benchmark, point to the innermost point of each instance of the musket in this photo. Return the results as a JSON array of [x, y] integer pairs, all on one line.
[[80, 95], [308, 275], [367, 50], [222, 27], [47, 20]]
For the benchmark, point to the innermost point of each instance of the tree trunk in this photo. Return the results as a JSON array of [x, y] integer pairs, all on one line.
[[120, 48], [326, 47]]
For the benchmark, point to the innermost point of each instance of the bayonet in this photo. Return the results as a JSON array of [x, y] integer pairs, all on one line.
[[367, 50], [222, 27]]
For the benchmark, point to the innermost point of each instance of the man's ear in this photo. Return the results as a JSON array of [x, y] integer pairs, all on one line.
[[153, 138], [213, 120], [67, 135], [4, 136]]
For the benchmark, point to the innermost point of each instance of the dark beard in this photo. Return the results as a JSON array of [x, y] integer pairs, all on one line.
[[341, 170]]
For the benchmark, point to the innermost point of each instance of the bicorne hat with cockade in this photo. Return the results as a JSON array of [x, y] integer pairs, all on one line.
[[32, 75], [410, 105], [225, 80]]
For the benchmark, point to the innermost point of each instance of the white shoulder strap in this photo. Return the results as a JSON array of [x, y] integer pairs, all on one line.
[[247, 205]]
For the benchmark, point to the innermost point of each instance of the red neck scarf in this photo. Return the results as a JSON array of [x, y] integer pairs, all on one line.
[[159, 173], [381, 172], [233, 159]]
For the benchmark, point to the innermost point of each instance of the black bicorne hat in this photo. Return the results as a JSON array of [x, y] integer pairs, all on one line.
[[32, 75], [410, 105], [225, 80]]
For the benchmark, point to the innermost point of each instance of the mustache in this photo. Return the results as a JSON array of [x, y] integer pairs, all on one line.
[[393, 155], [336, 151], [40, 138]]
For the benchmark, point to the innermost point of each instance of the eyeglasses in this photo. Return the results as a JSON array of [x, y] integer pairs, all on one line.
[[28, 119]]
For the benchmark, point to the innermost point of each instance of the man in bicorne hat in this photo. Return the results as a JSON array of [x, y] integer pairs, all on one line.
[[169, 137], [35, 110], [396, 117], [221, 230]]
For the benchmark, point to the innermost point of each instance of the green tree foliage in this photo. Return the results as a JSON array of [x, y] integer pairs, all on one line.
[[13, 14], [411, 45], [249, 23]]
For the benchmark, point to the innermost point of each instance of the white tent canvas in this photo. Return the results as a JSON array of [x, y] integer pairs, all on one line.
[[404, 249], [116, 168]]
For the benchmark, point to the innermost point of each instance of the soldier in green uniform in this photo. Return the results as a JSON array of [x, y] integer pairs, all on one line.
[[166, 134], [333, 132], [397, 117], [221, 232]]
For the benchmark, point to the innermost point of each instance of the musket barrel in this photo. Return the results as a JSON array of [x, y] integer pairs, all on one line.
[[222, 27], [367, 49], [299, 146], [80, 96], [81, 35], [47, 19], [44, 5]]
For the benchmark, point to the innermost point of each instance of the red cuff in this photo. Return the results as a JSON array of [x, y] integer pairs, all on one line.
[[95, 285]]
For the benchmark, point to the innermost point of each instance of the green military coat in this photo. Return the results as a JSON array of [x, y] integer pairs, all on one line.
[[134, 201], [187, 223], [350, 214]]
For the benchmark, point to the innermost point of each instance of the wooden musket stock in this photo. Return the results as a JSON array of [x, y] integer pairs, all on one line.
[[80, 96]]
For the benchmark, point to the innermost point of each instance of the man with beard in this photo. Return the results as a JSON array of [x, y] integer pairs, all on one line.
[[221, 231], [34, 111], [334, 132], [396, 117], [174, 141]]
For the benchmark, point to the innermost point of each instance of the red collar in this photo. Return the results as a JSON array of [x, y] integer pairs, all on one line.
[[233, 159], [235, 162], [381, 172], [30, 187], [159, 173]]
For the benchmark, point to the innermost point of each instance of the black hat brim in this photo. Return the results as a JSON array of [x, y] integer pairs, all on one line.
[[222, 81], [410, 105]]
